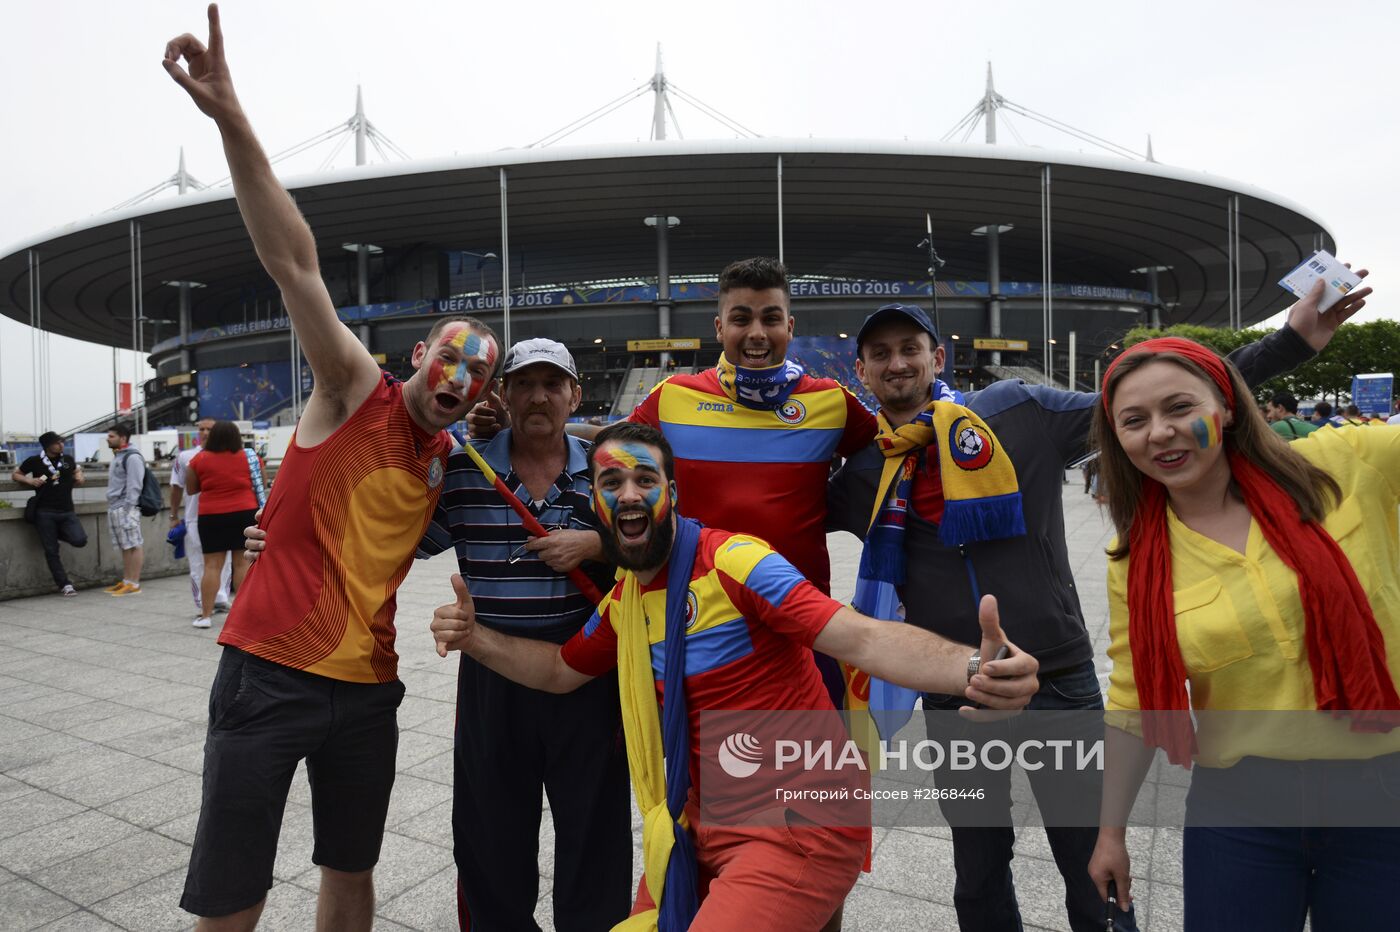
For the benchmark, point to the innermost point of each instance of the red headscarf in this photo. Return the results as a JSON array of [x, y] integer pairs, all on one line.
[[1346, 650]]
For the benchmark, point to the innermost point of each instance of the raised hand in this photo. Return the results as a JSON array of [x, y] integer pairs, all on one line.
[[207, 81], [1317, 328], [564, 549], [453, 624], [1008, 683], [487, 417]]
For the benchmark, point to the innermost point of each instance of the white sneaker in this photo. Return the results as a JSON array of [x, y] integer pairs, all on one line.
[[69, 590], [201, 622], [222, 607]]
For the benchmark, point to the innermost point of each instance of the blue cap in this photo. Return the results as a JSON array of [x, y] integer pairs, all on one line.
[[909, 312]]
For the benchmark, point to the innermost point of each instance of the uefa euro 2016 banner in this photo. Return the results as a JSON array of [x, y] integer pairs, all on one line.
[[685, 291]]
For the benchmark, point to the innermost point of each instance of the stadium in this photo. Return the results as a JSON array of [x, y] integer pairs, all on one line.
[[1040, 260]]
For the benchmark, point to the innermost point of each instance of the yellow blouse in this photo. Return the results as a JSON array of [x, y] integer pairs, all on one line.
[[1239, 617]]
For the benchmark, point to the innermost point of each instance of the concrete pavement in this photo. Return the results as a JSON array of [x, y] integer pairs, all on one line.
[[103, 704]]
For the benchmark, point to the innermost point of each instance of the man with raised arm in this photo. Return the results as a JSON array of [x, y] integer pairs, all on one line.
[[309, 669], [703, 620]]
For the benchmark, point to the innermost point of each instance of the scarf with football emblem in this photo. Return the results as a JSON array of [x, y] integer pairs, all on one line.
[[981, 501]]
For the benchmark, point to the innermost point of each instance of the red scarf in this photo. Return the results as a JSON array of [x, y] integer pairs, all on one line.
[[1346, 649]]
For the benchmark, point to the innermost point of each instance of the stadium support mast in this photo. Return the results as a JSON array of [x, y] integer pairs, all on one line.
[[990, 102]]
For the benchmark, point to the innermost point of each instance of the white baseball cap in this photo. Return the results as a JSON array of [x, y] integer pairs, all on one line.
[[528, 352]]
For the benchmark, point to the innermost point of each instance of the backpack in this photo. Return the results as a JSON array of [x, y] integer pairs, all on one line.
[[150, 502]]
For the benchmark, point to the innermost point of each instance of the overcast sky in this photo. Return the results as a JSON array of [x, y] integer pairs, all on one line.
[[1294, 97]]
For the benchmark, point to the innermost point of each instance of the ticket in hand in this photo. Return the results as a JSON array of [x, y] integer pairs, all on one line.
[[1323, 265]]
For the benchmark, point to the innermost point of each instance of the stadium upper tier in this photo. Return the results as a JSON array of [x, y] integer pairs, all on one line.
[[575, 215]]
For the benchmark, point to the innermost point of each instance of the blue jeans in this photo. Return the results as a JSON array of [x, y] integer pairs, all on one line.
[[54, 526], [1271, 878], [984, 893]]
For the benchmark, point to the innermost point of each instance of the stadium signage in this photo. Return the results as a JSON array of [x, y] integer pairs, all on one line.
[[990, 343], [661, 346], [647, 294]]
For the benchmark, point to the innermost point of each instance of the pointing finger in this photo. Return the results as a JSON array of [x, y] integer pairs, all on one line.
[[216, 34]]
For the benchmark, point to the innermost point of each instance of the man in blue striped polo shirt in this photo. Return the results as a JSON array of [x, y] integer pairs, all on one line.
[[512, 741]]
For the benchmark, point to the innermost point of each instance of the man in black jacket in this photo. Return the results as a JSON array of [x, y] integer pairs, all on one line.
[[1041, 429], [52, 475]]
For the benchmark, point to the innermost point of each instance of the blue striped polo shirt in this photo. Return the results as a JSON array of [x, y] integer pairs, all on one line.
[[513, 590]]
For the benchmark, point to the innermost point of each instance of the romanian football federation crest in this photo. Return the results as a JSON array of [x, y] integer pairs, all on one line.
[[692, 609], [970, 446], [435, 472], [791, 411]]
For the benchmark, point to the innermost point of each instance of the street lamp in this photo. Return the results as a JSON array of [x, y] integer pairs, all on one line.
[[481, 259], [1151, 272]]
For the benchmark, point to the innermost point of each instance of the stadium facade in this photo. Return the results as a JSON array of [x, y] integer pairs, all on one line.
[[597, 246]]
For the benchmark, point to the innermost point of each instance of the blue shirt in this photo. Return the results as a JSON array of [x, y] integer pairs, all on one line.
[[513, 590]]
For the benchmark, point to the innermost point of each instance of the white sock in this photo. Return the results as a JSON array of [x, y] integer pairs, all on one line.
[[127, 582]]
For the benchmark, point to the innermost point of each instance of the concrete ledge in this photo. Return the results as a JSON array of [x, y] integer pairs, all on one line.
[[24, 572]]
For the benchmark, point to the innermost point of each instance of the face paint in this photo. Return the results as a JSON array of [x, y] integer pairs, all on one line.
[[469, 346], [605, 504], [1207, 431], [628, 456]]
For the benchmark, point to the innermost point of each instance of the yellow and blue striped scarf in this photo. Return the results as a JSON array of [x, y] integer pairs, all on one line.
[[981, 501], [671, 870]]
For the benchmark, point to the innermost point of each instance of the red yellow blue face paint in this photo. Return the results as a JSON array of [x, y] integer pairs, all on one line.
[[466, 345], [629, 456], [1207, 431]]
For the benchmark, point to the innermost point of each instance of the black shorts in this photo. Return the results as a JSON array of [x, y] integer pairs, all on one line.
[[222, 533], [263, 719]]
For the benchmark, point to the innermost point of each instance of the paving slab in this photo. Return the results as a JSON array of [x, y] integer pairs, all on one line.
[[103, 708]]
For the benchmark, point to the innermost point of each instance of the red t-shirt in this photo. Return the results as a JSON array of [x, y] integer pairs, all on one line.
[[343, 522], [758, 471], [225, 484]]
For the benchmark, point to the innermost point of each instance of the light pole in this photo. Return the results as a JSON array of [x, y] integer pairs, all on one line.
[[481, 259], [1151, 272]]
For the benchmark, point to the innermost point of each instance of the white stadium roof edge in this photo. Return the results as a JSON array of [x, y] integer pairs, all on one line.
[[850, 209]]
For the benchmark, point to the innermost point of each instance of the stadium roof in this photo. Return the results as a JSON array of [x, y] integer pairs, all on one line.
[[850, 209]]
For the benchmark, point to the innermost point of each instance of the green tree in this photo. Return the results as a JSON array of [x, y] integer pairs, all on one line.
[[1370, 347]]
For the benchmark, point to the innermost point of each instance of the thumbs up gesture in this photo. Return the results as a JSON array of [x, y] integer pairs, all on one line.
[[453, 624], [1006, 678]]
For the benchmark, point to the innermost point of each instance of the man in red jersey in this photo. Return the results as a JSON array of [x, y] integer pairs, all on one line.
[[756, 411], [703, 620], [309, 669]]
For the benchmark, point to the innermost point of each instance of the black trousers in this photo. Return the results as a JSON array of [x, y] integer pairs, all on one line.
[[512, 742], [55, 526]]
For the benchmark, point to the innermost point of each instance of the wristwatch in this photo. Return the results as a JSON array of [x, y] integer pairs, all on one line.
[[974, 663]]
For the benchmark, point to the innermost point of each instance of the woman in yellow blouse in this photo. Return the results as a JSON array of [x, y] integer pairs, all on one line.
[[1267, 577]]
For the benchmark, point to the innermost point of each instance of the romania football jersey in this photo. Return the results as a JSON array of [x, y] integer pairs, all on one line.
[[750, 621], [760, 471], [343, 523]]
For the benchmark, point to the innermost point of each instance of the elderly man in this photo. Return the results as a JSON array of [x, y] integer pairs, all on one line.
[[703, 620], [1039, 429], [512, 741]]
